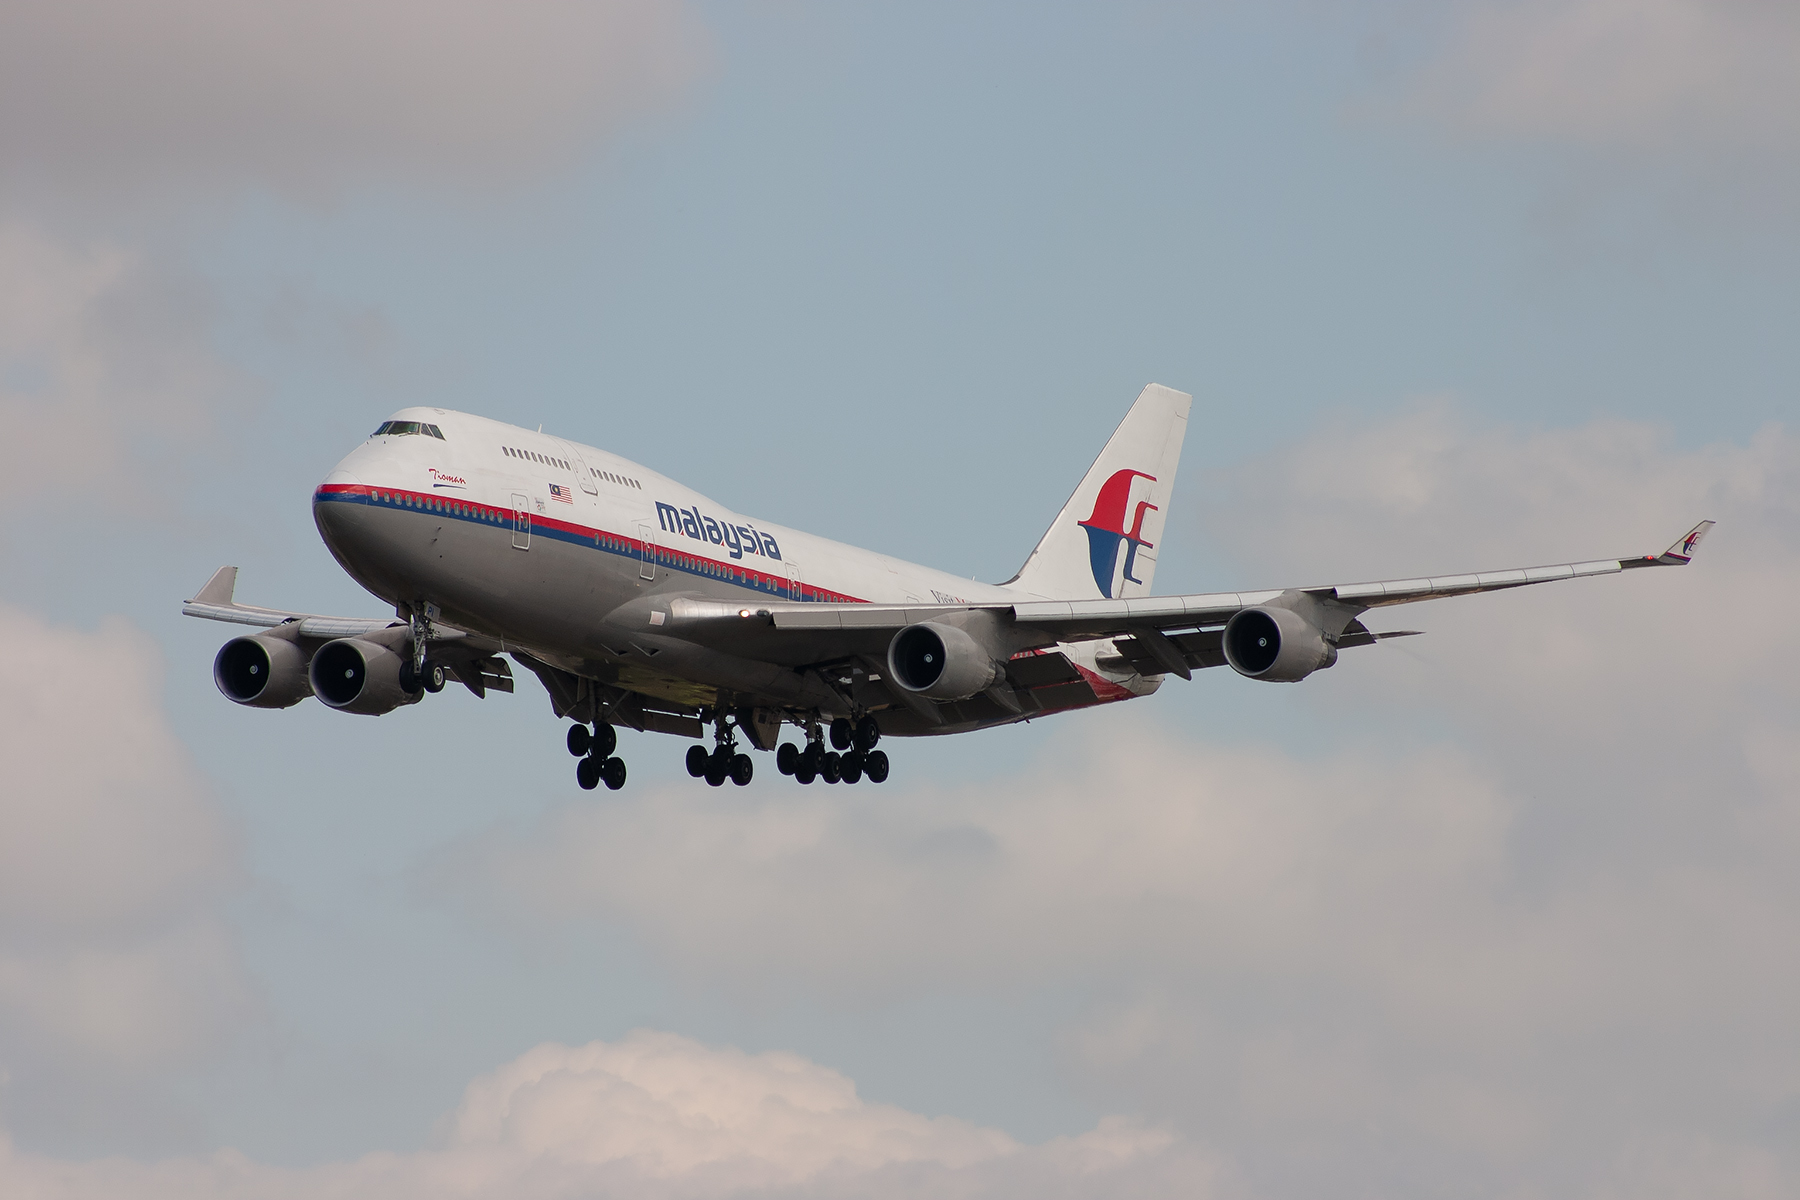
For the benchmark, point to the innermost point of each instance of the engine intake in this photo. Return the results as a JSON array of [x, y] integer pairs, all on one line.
[[940, 662], [1276, 645], [357, 676], [262, 671]]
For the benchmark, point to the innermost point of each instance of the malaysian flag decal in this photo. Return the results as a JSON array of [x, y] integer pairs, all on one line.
[[559, 492]]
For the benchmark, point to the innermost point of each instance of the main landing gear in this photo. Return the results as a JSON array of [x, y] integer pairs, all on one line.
[[815, 762], [724, 762], [597, 766]]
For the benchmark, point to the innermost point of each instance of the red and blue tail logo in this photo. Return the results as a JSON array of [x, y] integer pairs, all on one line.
[[1106, 530]]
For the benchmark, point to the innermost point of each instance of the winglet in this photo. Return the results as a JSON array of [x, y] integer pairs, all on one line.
[[219, 589], [1682, 552]]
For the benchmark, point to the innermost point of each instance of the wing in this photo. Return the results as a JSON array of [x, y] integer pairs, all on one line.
[[833, 631], [468, 656], [214, 603]]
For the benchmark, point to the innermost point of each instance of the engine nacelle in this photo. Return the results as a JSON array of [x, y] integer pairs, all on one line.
[[1276, 645], [940, 662], [263, 671], [357, 676]]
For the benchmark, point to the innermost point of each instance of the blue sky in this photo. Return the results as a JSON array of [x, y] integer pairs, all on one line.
[[1453, 287]]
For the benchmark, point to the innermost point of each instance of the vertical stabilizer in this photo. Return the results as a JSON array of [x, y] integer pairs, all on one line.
[[1104, 542]]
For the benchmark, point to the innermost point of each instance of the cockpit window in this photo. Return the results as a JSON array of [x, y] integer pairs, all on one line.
[[395, 428]]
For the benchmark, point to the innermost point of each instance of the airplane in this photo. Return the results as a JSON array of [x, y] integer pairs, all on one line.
[[639, 602]]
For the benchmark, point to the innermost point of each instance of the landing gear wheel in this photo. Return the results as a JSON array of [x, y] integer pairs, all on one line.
[[612, 773], [832, 768], [787, 758], [697, 761], [409, 679], [588, 772], [579, 740], [742, 769], [875, 766], [841, 734], [433, 677], [867, 734], [604, 741], [850, 767]]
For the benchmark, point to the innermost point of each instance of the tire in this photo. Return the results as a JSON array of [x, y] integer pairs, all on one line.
[[811, 758], [850, 767], [606, 740], [409, 679], [434, 677], [805, 772], [787, 758], [868, 733], [742, 769], [875, 766], [579, 740], [587, 773], [831, 770], [841, 734], [612, 773], [697, 761]]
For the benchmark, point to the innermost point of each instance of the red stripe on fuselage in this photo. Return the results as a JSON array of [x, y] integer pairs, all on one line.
[[665, 556]]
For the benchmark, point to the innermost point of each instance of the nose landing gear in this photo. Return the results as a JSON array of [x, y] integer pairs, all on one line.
[[597, 766]]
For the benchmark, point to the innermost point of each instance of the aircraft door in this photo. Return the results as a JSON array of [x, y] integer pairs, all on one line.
[[583, 476], [646, 552], [521, 522], [794, 589]]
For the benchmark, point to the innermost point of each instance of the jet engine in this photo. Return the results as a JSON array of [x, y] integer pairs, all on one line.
[[263, 671], [940, 662], [1276, 645], [358, 676]]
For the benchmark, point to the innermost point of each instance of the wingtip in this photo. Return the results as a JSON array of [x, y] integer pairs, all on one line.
[[219, 589]]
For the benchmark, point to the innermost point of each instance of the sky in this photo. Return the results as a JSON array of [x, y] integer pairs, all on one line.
[[1504, 910]]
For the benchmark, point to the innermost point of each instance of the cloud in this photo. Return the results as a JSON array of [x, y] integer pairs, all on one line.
[[1516, 892], [657, 1115], [1640, 74], [114, 959], [105, 363], [307, 96]]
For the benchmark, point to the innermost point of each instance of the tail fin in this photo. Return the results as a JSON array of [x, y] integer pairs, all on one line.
[[1103, 543]]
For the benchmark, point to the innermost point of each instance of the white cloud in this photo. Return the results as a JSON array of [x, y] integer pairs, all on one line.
[[104, 367], [113, 956], [656, 1115], [1637, 73], [1519, 890], [305, 96]]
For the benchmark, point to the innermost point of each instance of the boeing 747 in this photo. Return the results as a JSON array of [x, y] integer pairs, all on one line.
[[639, 602]]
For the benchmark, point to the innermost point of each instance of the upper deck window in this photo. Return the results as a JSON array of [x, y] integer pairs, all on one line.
[[395, 428]]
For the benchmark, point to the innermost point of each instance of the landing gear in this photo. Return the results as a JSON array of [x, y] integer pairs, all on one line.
[[418, 671], [594, 749], [859, 760], [724, 762]]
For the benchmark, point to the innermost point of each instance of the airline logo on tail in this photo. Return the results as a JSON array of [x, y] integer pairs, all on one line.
[[1106, 530]]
